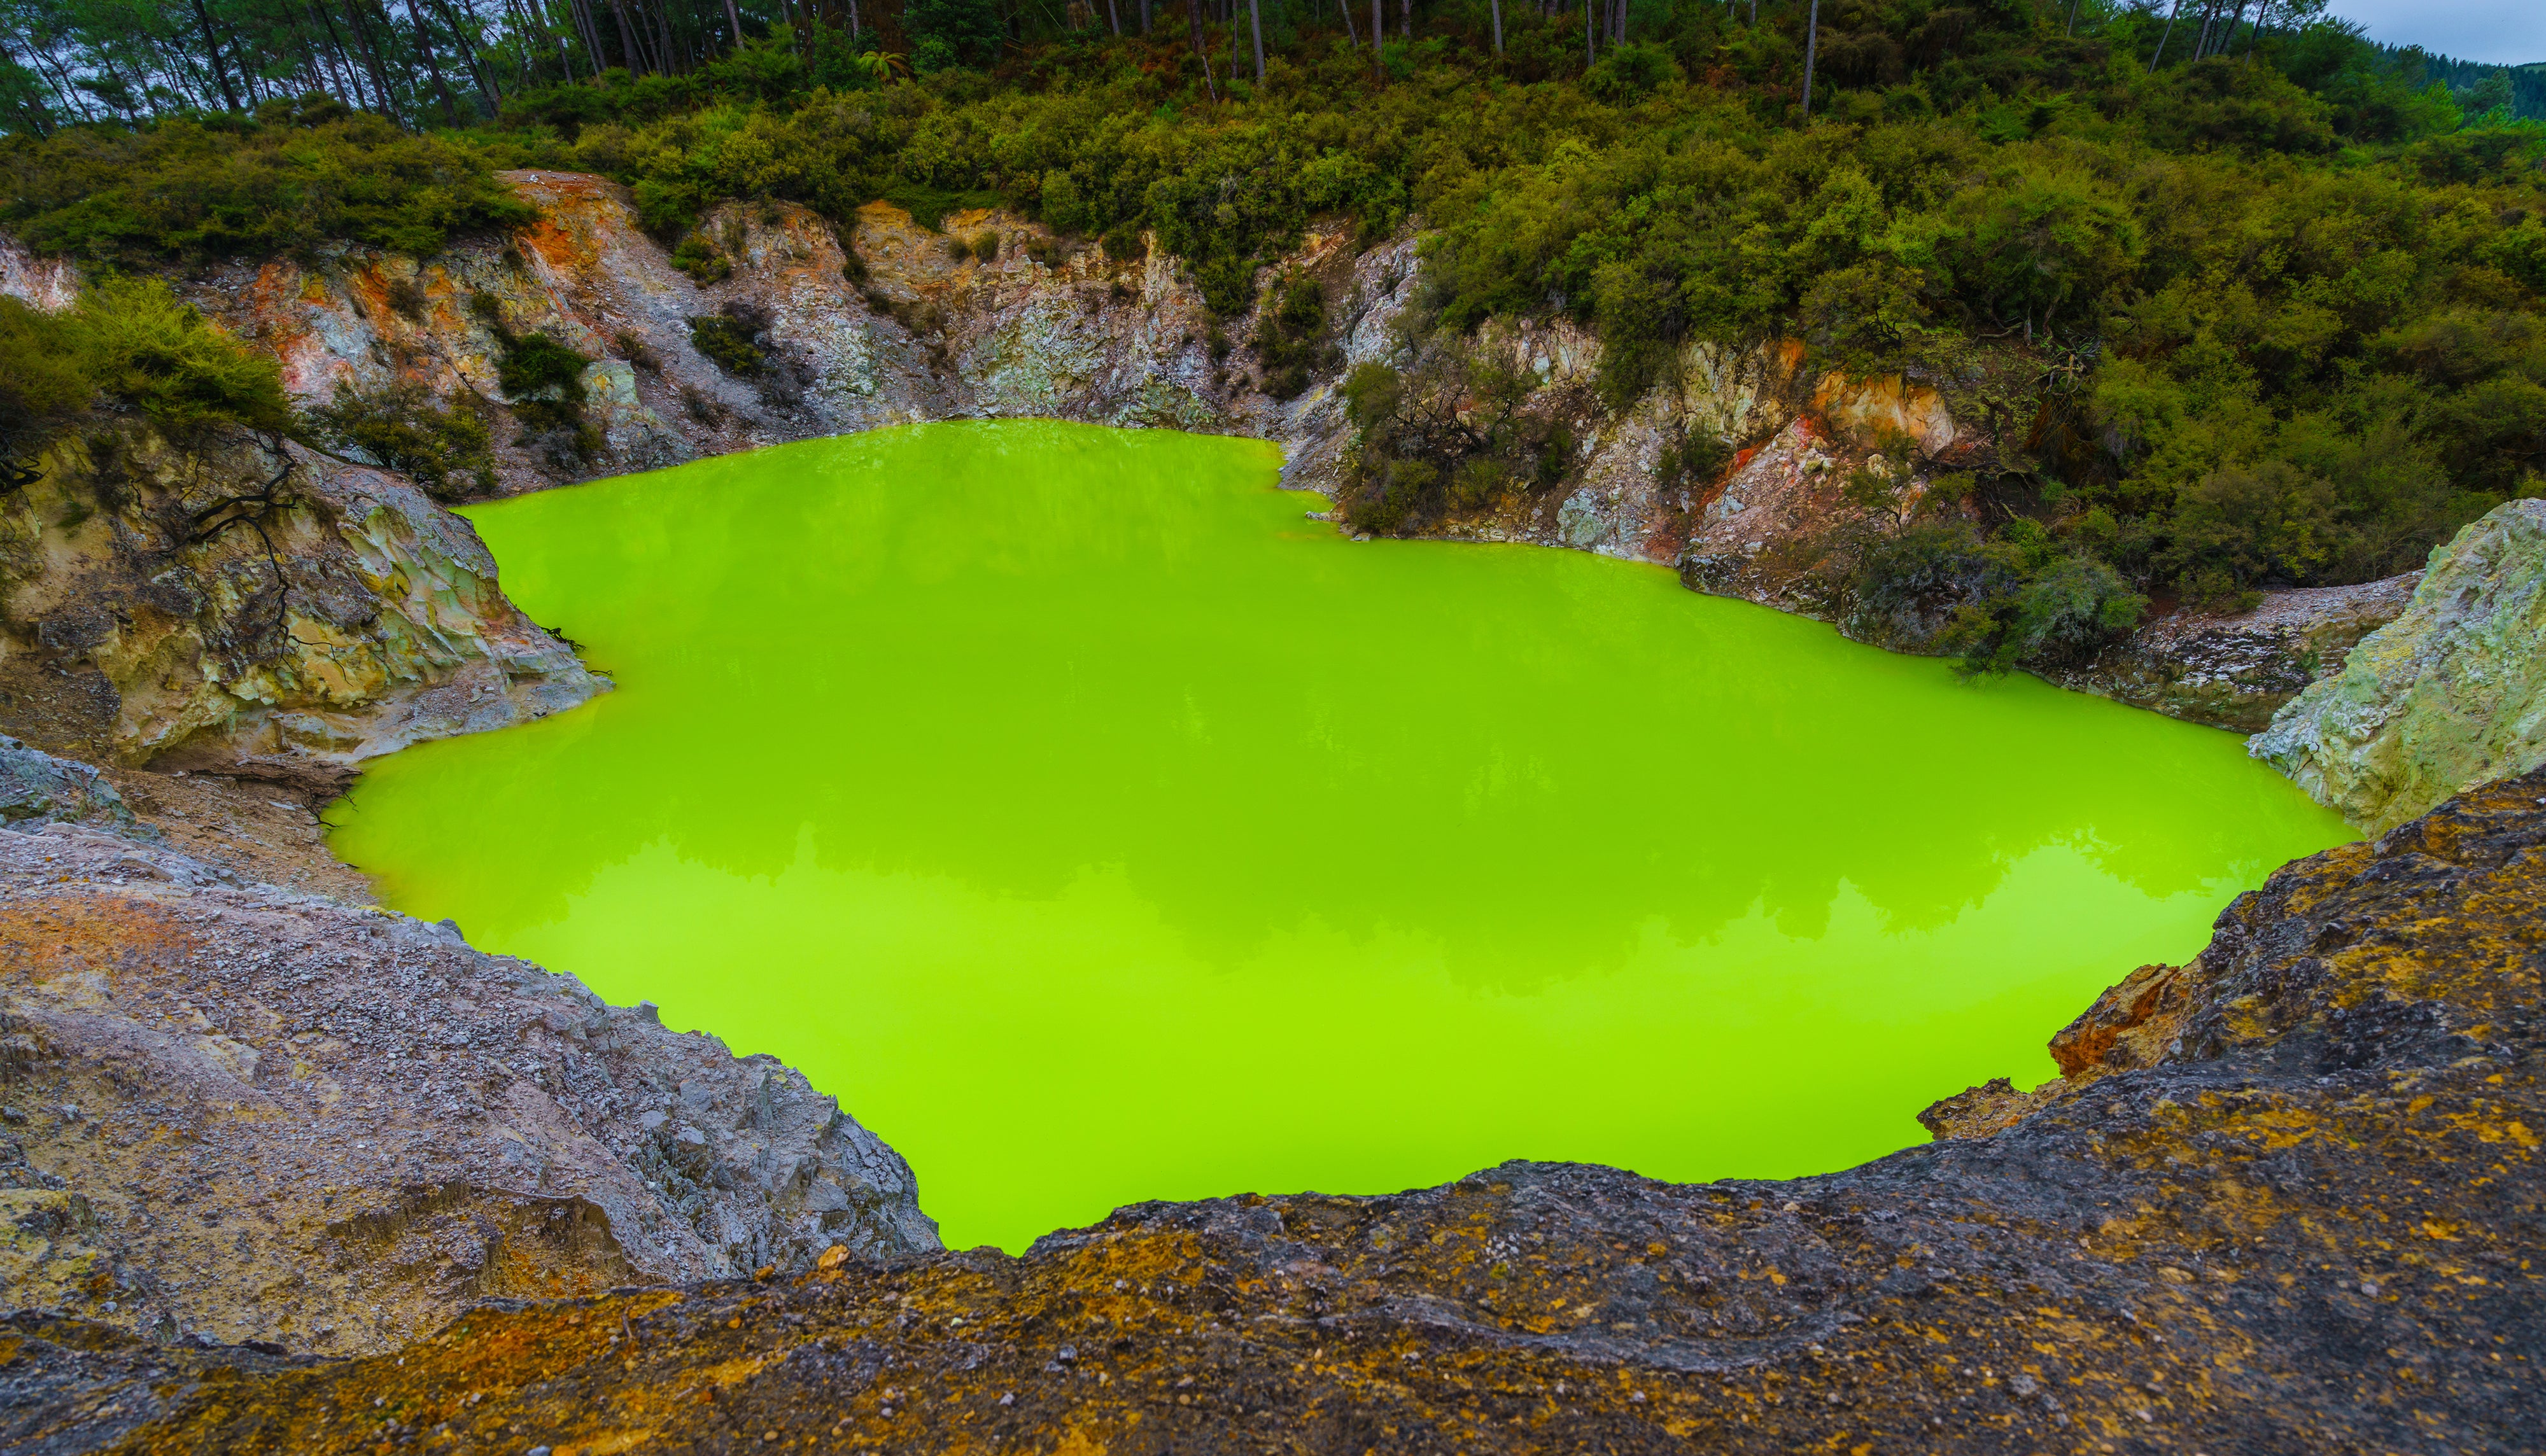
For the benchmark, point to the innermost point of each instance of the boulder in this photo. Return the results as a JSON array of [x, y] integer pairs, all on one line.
[[2450, 695]]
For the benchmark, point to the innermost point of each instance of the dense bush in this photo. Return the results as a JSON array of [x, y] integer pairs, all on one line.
[[138, 346], [446, 450], [542, 380], [126, 345], [42, 386], [187, 189]]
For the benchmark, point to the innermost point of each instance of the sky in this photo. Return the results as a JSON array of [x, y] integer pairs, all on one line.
[[2501, 32]]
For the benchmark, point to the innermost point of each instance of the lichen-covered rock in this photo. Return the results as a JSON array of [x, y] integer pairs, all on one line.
[[213, 604], [2236, 670], [2449, 695], [239, 1112], [2288, 1203]]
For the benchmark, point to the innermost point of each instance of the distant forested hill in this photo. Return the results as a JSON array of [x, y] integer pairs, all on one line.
[[2477, 87]]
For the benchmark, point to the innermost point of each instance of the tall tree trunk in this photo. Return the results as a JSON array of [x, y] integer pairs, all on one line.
[[671, 44], [349, 79], [1350, 33], [1255, 23], [2228, 37], [1498, 7], [34, 108], [2164, 35], [220, 73], [41, 48], [1144, 17], [628, 56], [1811, 48], [479, 71], [370, 49], [1114, 18], [1378, 71], [595, 59], [432, 63], [1590, 38], [247, 72], [2255, 37], [1202, 52]]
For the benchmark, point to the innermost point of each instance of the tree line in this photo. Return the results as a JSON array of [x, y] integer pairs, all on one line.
[[442, 63]]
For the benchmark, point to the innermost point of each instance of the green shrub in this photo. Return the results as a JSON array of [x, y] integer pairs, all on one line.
[[728, 345], [542, 380], [183, 189], [401, 426], [1289, 335], [42, 387], [699, 258], [162, 357]]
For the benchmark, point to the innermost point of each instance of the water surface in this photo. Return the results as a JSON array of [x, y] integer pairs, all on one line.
[[1098, 830]]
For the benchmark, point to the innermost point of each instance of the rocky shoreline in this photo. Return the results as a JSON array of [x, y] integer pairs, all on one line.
[[2285, 1198]]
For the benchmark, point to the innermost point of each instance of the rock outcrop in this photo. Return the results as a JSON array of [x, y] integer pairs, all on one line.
[[247, 1114], [2450, 694], [209, 603], [2285, 1199]]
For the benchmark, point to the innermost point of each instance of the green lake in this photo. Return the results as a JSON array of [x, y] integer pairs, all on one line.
[[1098, 830]]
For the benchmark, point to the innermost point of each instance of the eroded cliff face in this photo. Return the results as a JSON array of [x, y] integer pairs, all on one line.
[[215, 602], [248, 1114], [2285, 1199], [882, 325]]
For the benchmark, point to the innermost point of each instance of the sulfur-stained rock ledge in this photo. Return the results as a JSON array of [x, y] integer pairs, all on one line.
[[2288, 1199]]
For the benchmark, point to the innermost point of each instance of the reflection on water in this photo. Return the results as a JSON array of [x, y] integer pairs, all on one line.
[[1099, 829]]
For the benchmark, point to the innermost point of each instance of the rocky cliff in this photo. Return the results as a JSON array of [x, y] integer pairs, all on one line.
[[2285, 1198], [782, 326], [2448, 695], [214, 602], [250, 1114]]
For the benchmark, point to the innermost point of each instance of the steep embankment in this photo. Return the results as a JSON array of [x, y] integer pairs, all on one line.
[[2283, 1200], [244, 1113], [808, 332]]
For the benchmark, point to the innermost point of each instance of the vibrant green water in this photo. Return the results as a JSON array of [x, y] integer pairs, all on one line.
[[1099, 829]]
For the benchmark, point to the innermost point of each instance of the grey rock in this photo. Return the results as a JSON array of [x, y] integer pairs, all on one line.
[[38, 789], [335, 1129]]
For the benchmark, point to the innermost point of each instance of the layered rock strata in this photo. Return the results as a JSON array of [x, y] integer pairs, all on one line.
[[2285, 1199], [248, 1114], [2450, 694]]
